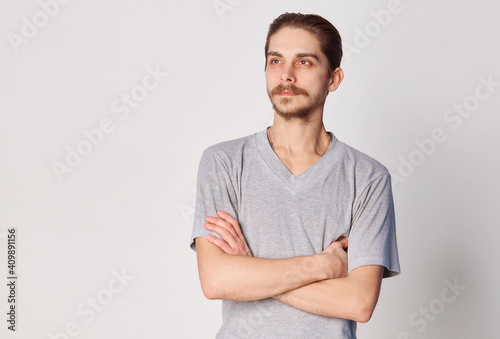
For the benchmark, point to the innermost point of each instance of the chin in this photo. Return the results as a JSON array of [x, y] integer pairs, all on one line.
[[289, 114]]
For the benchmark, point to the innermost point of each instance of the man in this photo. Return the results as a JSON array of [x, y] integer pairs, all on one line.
[[276, 211]]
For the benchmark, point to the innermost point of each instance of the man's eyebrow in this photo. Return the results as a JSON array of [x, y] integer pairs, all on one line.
[[298, 55], [308, 55], [274, 54]]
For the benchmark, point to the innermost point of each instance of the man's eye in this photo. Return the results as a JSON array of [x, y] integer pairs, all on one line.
[[304, 62], [275, 61]]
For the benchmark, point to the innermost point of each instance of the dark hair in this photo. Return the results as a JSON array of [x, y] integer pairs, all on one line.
[[328, 36]]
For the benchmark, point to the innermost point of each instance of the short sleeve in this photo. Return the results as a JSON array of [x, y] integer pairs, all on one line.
[[372, 239], [214, 192]]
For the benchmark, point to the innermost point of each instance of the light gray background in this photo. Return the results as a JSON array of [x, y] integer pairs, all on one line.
[[128, 205]]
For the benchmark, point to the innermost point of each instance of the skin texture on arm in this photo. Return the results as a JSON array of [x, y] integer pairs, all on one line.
[[352, 296], [225, 275]]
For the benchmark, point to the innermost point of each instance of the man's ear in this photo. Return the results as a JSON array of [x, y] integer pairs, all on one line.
[[335, 79]]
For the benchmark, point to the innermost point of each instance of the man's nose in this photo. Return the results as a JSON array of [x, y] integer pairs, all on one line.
[[287, 74]]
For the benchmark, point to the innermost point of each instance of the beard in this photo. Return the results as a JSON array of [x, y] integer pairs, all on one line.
[[284, 107]]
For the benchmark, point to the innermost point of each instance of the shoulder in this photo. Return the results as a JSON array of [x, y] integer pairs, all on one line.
[[364, 162], [230, 147], [230, 152], [364, 169]]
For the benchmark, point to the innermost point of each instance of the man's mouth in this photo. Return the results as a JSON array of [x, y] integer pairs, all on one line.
[[288, 93]]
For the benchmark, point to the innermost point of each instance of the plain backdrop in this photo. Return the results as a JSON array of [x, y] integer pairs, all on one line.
[[106, 107]]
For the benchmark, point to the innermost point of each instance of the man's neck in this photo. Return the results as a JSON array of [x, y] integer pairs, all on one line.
[[298, 137]]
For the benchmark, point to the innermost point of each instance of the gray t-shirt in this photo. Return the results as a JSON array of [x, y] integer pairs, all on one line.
[[345, 193]]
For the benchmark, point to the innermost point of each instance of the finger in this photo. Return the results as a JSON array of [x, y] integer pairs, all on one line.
[[331, 248], [227, 217], [236, 225], [219, 243], [344, 243], [341, 253], [227, 236], [224, 224], [334, 245]]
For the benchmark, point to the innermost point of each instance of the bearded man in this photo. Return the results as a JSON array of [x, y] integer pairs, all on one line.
[[294, 230]]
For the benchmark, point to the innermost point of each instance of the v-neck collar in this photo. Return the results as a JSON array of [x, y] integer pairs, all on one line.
[[316, 171]]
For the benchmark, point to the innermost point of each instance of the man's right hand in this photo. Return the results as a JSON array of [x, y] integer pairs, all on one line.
[[233, 241]]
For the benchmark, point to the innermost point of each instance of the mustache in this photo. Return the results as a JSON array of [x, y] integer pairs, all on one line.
[[290, 88]]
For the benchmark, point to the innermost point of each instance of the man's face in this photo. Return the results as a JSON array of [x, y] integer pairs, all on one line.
[[296, 73]]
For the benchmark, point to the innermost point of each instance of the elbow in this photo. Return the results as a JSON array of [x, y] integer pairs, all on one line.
[[364, 316], [214, 287], [209, 288], [209, 294], [364, 310]]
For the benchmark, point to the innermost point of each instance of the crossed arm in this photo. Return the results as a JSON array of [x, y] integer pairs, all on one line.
[[316, 284]]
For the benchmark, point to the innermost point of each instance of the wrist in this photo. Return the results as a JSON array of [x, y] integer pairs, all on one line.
[[325, 270]]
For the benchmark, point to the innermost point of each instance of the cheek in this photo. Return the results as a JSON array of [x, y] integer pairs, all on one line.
[[271, 72], [271, 78], [315, 82]]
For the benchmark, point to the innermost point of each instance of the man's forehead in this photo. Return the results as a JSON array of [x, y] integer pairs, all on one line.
[[291, 40]]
